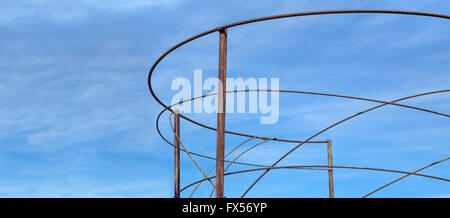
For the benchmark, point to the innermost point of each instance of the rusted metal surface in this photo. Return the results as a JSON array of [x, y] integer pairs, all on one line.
[[221, 113], [221, 118], [330, 169], [177, 154]]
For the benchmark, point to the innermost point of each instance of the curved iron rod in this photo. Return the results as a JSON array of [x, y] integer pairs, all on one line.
[[287, 91], [293, 91], [278, 17], [242, 153], [226, 155], [275, 139], [320, 166], [193, 153], [187, 152], [350, 11], [415, 171], [333, 125]]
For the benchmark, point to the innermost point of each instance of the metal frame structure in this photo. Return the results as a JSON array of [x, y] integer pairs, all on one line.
[[221, 132]]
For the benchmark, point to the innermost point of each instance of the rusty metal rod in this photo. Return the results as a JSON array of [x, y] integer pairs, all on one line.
[[177, 154], [330, 170], [298, 14], [234, 161], [232, 150], [242, 153], [277, 17], [189, 154], [320, 166], [286, 91], [221, 113], [275, 139], [386, 102], [415, 171], [333, 125]]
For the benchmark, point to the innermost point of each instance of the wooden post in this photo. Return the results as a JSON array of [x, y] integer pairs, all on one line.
[[330, 169], [177, 153], [221, 113]]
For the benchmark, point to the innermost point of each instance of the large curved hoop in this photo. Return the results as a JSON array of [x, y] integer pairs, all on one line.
[[309, 140]]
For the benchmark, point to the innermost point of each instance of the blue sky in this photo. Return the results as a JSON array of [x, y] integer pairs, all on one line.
[[77, 120]]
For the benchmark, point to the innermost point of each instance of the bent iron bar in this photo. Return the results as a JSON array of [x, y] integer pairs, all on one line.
[[223, 28]]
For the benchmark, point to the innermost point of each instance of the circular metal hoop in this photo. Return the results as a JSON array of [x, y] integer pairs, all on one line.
[[309, 140]]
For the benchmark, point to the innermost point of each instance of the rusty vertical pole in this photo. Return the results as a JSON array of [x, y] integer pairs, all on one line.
[[330, 169], [177, 153], [221, 113]]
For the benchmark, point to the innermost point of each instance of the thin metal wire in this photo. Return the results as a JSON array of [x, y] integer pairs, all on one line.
[[321, 166], [242, 153], [189, 154], [193, 153], [226, 155], [390, 183]]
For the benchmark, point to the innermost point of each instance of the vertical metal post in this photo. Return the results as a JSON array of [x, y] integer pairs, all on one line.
[[221, 113], [330, 169], [177, 153]]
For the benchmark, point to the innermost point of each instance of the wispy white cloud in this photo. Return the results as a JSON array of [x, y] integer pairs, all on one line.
[[69, 11]]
